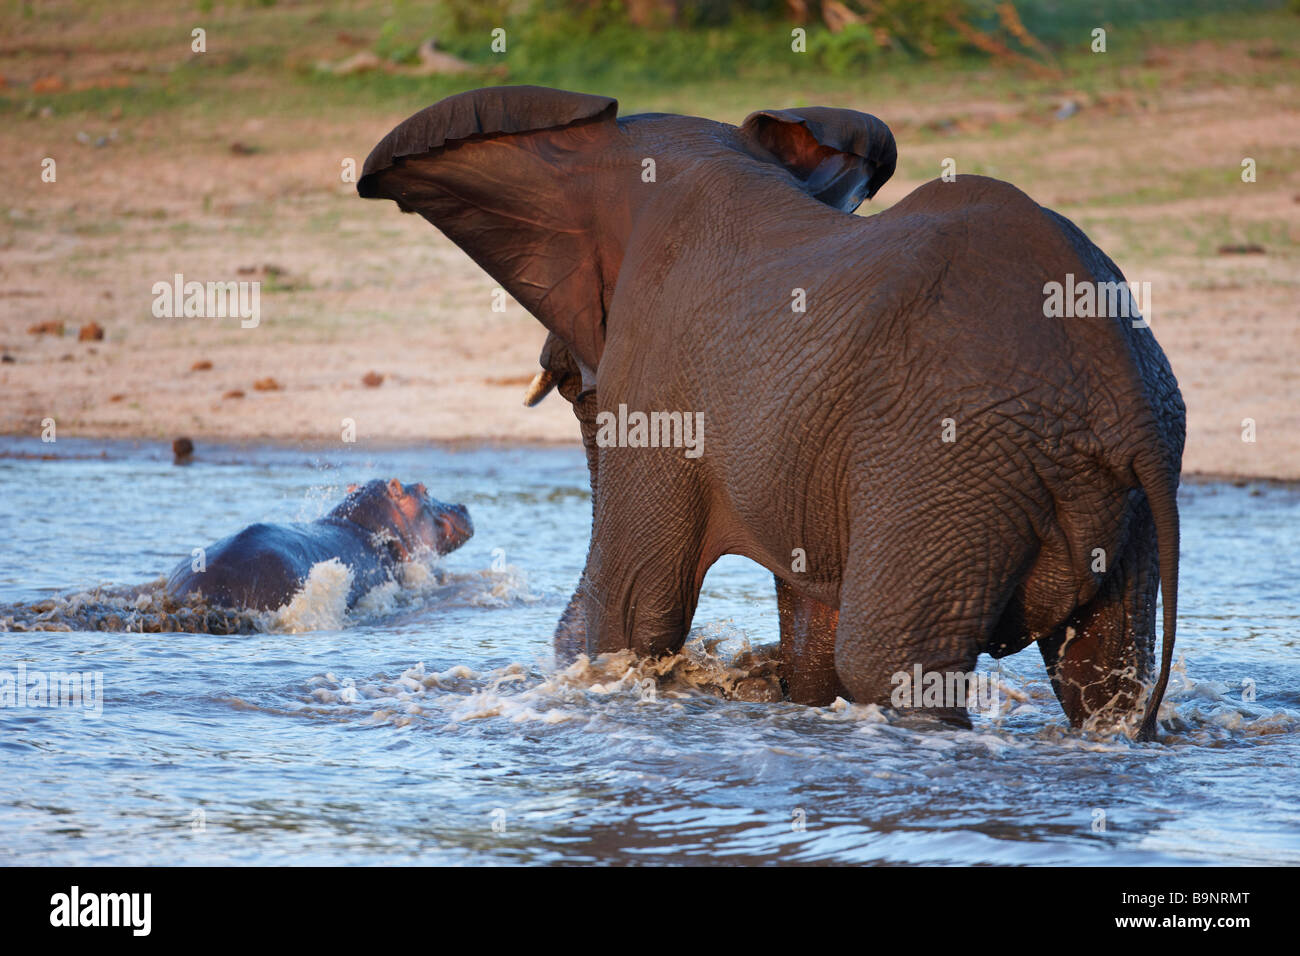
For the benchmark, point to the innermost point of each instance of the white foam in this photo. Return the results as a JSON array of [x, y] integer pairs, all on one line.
[[1201, 712], [720, 661], [421, 581], [497, 587], [321, 603]]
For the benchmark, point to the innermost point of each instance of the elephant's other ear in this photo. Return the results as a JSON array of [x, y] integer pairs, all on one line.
[[839, 156]]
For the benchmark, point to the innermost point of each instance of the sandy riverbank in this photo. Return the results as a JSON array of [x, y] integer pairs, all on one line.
[[351, 288]]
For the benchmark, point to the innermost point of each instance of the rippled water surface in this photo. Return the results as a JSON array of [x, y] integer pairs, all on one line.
[[431, 726]]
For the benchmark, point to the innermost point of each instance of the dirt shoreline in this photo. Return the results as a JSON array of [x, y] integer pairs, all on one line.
[[350, 288]]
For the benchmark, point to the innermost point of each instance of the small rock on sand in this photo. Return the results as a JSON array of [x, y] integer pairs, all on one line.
[[372, 380], [362, 62], [1067, 109], [266, 270], [434, 62], [91, 332], [267, 384]]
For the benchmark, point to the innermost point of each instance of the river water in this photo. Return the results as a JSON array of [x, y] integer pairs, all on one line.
[[430, 725]]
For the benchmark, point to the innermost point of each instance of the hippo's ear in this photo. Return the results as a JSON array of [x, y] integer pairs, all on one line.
[[840, 157], [352, 488], [420, 489], [395, 489]]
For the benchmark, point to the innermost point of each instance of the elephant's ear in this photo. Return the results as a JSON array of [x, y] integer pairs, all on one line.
[[840, 157], [510, 174], [491, 111]]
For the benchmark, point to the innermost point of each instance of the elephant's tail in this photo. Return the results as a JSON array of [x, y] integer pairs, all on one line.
[[1161, 487]]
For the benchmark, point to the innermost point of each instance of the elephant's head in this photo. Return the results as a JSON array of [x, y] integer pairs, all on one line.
[[562, 372], [543, 188]]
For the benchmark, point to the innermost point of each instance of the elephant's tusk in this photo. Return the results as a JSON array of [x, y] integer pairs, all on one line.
[[539, 388]]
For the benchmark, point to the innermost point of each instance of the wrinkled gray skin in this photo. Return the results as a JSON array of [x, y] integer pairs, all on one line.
[[825, 428], [375, 528], [807, 627]]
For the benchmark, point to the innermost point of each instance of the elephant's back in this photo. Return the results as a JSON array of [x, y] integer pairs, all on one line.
[[978, 265]]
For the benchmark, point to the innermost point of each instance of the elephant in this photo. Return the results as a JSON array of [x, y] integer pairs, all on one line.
[[931, 460]]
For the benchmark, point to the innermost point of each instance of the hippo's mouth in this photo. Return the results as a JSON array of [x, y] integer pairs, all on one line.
[[455, 527]]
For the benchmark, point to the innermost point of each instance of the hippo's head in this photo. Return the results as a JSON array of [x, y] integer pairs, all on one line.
[[414, 520]]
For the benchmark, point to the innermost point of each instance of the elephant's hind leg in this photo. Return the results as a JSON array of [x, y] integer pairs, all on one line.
[[923, 594], [1099, 658], [807, 647]]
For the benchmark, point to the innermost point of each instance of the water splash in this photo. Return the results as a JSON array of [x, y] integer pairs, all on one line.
[[320, 604], [719, 661], [145, 609]]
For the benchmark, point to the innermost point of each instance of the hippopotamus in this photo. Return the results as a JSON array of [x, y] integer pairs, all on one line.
[[375, 528]]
